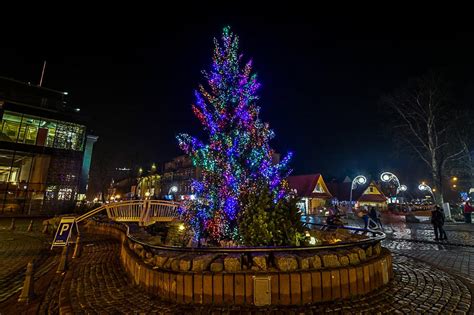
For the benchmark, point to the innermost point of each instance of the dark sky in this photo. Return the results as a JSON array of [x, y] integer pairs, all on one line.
[[322, 77]]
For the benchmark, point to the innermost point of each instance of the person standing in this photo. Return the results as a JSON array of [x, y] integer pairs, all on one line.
[[365, 217], [468, 212], [437, 219], [374, 215]]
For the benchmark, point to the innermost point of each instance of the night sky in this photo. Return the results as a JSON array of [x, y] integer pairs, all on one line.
[[322, 78]]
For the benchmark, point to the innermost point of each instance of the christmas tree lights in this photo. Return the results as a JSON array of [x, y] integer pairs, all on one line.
[[237, 158]]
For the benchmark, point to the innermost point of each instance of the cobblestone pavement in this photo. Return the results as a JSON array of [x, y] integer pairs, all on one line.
[[457, 233], [96, 284], [430, 277], [456, 259], [16, 250]]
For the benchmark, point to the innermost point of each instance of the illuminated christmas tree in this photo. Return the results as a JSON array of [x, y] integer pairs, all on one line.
[[237, 159]]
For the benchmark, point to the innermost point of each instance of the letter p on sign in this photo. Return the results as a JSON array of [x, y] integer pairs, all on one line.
[[64, 232]]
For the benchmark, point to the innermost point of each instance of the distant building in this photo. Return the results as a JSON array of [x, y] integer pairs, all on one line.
[[369, 195], [178, 175], [313, 192], [45, 149], [149, 184], [372, 196]]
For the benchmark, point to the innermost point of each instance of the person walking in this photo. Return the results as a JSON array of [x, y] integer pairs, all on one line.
[[468, 212], [437, 219], [365, 217], [374, 215]]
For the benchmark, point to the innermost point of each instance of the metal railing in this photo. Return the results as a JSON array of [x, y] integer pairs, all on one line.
[[373, 237], [144, 212]]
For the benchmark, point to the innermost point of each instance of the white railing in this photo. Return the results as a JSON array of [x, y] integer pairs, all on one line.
[[143, 211]]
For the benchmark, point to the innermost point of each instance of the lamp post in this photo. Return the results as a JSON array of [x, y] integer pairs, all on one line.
[[388, 177], [424, 187], [358, 180], [173, 189]]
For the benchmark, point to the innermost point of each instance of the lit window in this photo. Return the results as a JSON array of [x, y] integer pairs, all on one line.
[[318, 189]]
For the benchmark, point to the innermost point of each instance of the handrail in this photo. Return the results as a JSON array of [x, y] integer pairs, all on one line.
[[146, 206], [374, 239], [90, 213]]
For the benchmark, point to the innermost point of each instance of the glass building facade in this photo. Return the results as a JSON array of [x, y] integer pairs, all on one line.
[[20, 128], [44, 164]]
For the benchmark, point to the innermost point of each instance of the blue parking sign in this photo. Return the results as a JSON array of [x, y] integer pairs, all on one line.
[[64, 231]]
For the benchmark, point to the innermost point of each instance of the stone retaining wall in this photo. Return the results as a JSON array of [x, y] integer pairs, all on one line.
[[295, 287]]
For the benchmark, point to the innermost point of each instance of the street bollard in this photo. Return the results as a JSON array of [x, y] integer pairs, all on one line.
[[45, 228], [77, 248], [27, 293], [12, 226], [30, 227], [62, 261]]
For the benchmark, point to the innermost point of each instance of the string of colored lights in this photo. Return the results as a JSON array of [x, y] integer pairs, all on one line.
[[238, 157]]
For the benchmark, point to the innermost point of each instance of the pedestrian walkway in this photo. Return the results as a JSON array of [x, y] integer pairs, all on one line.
[[17, 249], [429, 278], [96, 283]]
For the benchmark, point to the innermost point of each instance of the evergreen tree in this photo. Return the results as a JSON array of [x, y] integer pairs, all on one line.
[[237, 156]]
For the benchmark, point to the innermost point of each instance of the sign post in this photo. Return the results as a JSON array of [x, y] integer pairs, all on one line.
[[64, 232]]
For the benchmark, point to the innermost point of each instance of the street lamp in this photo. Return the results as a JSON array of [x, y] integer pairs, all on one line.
[[388, 177], [147, 194], [424, 187], [173, 189], [358, 180]]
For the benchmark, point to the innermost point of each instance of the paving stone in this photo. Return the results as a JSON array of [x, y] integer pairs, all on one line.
[[97, 284]]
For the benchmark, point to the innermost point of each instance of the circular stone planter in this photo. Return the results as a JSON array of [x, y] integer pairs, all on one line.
[[256, 277]]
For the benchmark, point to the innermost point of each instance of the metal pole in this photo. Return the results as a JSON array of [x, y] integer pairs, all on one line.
[[42, 74], [350, 200]]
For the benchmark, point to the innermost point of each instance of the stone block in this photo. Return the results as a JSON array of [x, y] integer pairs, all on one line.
[[315, 262], [217, 265], [360, 252], [286, 262], [259, 261], [303, 262], [232, 263], [149, 261], [201, 263], [137, 247], [343, 260], [368, 251], [160, 260], [175, 264], [330, 260], [185, 263], [169, 261], [353, 258]]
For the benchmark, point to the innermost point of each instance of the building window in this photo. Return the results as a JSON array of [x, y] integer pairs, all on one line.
[[318, 189], [371, 189], [35, 131], [65, 194]]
